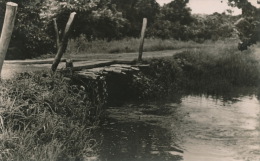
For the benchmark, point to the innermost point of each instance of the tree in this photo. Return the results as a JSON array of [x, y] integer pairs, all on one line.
[[33, 33], [95, 19], [214, 26], [29, 37], [249, 26], [134, 11], [177, 11], [172, 21]]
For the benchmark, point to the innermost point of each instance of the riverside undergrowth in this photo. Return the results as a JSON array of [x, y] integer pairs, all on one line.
[[201, 70], [46, 117], [219, 69]]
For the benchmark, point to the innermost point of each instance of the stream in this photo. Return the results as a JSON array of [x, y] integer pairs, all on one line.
[[192, 128]]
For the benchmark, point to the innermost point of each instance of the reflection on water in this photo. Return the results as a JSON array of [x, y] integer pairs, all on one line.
[[137, 141], [200, 128], [222, 130]]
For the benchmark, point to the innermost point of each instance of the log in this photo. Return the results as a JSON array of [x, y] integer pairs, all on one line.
[[64, 43], [7, 30], [142, 39]]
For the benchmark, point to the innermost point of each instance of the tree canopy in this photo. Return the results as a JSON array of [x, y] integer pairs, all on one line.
[[172, 20], [134, 11], [34, 32]]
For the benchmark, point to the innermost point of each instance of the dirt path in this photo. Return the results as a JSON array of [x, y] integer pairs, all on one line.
[[11, 67]]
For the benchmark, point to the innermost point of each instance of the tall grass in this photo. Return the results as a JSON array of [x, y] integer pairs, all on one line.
[[83, 46], [42, 117], [218, 68]]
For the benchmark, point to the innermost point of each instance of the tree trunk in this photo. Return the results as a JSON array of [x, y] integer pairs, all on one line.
[[64, 43], [142, 39], [10, 13]]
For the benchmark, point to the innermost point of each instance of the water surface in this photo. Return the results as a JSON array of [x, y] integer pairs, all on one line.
[[197, 128]]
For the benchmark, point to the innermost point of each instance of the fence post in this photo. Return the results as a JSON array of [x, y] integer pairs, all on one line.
[[10, 13], [142, 39], [63, 44], [57, 33]]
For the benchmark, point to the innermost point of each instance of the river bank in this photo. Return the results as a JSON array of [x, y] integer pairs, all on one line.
[[57, 113]]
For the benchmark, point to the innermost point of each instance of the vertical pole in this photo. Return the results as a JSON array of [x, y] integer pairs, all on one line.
[[10, 13], [64, 43], [142, 39], [57, 33]]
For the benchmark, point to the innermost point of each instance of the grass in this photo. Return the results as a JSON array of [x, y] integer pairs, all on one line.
[[219, 67], [43, 117], [82, 46]]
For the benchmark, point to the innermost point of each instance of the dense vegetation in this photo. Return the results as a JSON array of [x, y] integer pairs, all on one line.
[[117, 19], [47, 116], [215, 70]]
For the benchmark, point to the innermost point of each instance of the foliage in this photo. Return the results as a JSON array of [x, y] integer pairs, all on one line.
[[172, 20], [104, 20], [34, 32], [29, 37], [249, 26], [192, 27], [215, 26], [134, 11], [247, 8], [94, 19]]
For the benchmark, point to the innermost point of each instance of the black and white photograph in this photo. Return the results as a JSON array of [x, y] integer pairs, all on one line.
[[130, 80]]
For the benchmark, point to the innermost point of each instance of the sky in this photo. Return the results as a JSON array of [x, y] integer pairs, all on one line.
[[210, 6]]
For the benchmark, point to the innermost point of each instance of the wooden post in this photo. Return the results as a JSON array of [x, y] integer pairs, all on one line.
[[64, 43], [10, 13], [57, 33], [142, 39]]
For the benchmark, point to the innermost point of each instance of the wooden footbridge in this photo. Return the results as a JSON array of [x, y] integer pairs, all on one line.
[[88, 64], [94, 73]]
